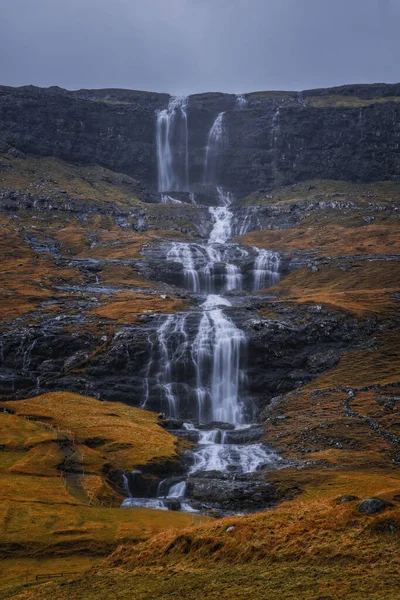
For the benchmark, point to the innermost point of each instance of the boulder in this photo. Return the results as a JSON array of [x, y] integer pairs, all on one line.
[[372, 506]]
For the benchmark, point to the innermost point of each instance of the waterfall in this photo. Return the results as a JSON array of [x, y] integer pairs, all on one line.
[[228, 343], [233, 278], [241, 102], [214, 357], [215, 143], [166, 199], [226, 458], [266, 269], [222, 216], [276, 126], [218, 347], [172, 146], [177, 490], [172, 345], [183, 253], [197, 359]]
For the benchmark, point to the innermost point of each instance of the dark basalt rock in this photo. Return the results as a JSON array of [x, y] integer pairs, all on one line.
[[372, 506], [230, 493]]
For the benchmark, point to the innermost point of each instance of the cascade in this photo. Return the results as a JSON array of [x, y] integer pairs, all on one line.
[[197, 365], [266, 269], [183, 253], [172, 146], [219, 344]]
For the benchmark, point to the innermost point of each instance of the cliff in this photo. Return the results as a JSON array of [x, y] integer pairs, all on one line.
[[350, 133]]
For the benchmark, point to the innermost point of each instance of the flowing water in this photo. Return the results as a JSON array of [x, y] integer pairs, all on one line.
[[215, 144], [241, 102], [172, 146], [266, 269], [197, 364]]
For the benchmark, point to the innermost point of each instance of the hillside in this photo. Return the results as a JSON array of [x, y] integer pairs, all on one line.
[[229, 347]]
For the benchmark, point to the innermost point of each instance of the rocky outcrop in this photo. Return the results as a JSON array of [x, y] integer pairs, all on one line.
[[278, 138], [231, 492]]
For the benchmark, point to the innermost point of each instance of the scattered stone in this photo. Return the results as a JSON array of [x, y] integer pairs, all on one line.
[[387, 526], [342, 499]]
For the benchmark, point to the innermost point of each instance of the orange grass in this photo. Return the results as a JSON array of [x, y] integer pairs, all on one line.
[[123, 430], [361, 288], [330, 241], [126, 307]]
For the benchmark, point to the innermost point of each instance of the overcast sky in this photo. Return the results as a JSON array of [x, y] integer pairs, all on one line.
[[189, 46]]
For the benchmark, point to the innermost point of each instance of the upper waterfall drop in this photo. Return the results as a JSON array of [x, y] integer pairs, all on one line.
[[215, 143], [241, 102], [172, 146]]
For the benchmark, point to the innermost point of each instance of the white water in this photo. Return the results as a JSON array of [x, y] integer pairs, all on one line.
[[212, 456], [166, 199], [219, 344], [276, 126], [215, 143], [198, 261], [183, 253], [172, 328], [217, 351], [222, 216], [266, 269], [172, 146], [241, 102], [177, 490]]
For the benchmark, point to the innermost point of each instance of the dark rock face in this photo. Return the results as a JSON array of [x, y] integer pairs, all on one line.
[[279, 138], [286, 353]]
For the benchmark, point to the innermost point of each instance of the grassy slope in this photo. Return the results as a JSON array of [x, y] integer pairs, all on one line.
[[361, 287], [49, 521], [56, 178]]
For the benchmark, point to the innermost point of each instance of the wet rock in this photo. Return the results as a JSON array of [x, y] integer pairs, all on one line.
[[231, 493], [243, 436], [76, 359], [171, 423], [173, 504]]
